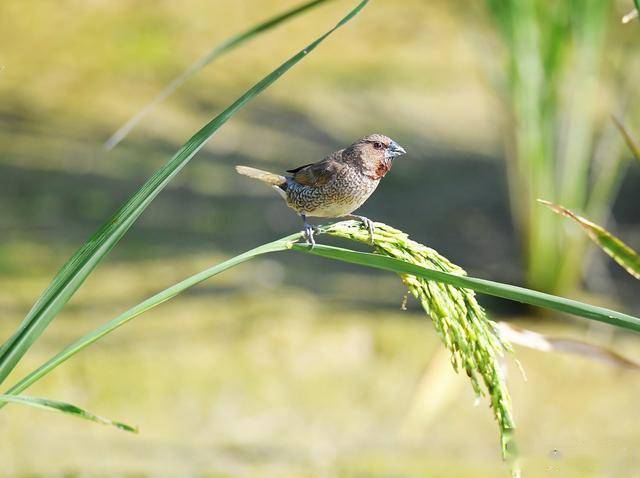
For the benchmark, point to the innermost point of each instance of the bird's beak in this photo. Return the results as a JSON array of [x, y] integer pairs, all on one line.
[[394, 150]]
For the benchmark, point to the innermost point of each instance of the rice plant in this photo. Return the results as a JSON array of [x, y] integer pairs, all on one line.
[[462, 324], [553, 68]]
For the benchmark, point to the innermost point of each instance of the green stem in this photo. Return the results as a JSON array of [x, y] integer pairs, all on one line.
[[150, 303]]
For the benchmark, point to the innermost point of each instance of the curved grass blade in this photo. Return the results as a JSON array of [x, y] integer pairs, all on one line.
[[483, 286], [76, 270], [205, 60], [54, 405], [614, 247], [150, 303]]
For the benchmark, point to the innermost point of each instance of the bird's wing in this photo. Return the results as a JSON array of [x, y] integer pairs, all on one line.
[[295, 170], [320, 173]]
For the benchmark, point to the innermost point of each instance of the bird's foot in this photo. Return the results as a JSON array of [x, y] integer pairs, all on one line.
[[368, 223], [308, 232]]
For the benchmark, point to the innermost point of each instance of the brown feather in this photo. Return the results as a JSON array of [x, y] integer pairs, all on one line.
[[264, 176], [320, 173], [295, 170], [383, 167]]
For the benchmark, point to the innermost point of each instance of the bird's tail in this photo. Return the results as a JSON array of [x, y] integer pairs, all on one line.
[[264, 176]]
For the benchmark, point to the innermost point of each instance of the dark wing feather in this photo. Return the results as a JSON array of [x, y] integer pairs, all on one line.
[[320, 173], [295, 170]]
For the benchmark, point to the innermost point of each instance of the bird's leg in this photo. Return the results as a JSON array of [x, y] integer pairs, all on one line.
[[368, 223], [308, 231]]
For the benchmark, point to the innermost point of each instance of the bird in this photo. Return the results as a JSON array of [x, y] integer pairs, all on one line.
[[338, 184]]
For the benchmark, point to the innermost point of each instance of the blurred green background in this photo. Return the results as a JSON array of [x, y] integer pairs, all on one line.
[[290, 366]]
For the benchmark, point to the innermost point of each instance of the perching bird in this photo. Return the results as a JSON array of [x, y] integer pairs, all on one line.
[[337, 185]]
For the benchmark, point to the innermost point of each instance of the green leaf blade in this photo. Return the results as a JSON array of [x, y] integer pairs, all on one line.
[[54, 405], [610, 244], [144, 306], [77, 269], [219, 50], [506, 291]]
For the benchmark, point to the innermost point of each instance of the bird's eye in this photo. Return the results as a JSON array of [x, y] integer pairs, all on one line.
[[378, 145]]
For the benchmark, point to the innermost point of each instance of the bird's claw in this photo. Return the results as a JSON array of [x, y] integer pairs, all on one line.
[[368, 223]]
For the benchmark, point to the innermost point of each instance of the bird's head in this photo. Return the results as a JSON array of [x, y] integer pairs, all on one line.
[[378, 146], [375, 152]]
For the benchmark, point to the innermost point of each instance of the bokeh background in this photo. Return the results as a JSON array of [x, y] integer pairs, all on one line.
[[290, 366]]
